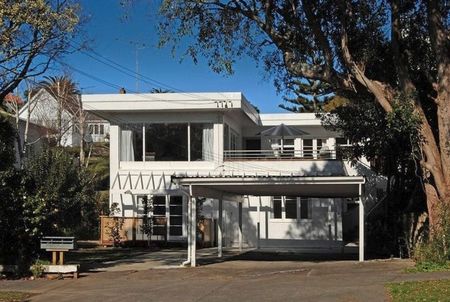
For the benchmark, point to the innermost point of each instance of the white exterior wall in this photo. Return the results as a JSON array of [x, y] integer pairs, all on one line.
[[323, 230], [153, 177]]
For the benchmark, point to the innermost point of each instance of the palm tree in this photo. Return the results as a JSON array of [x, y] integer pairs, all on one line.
[[65, 92]]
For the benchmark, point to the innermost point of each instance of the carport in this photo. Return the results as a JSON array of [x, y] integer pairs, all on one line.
[[232, 188]]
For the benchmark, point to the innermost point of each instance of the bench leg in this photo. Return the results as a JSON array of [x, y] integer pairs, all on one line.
[[61, 258], [54, 258]]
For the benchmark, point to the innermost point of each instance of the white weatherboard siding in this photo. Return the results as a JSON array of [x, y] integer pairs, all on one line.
[[232, 176]]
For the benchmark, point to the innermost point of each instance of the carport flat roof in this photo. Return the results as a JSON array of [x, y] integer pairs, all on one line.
[[319, 186]]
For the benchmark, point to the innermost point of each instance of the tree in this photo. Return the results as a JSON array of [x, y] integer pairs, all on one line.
[[33, 34], [387, 51], [50, 195], [70, 114], [147, 219], [7, 157]]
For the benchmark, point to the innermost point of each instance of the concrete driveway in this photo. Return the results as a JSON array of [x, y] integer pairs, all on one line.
[[232, 280]]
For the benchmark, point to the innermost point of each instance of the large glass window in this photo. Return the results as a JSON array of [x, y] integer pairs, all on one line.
[[291, 207], [166, 142], [305, 208], [277, 207], [131, 142], [202, 142]]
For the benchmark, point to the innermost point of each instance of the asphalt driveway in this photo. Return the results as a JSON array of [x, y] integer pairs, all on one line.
[[231, 280]]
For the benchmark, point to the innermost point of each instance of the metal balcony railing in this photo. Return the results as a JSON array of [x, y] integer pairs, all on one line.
[[281, 154]]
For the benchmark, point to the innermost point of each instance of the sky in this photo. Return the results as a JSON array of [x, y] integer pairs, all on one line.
[[116, 32]]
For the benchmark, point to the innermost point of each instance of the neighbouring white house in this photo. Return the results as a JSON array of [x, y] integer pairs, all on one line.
[[268, 180], [45, 110]]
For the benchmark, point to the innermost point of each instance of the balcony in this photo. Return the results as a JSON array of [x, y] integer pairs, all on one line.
[[323, 153]]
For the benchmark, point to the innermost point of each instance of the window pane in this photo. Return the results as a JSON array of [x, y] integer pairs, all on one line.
[[131, 142], [176, 230], [176, 220], [291, 207], [307, 147], [166, 142], [176, 200], [304, 208], [226, 137], [202, 142], [102, 129], [277, 207], [95, 129]]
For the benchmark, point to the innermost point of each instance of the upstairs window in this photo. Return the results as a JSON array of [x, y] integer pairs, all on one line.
[[167, 142], [131, 142]]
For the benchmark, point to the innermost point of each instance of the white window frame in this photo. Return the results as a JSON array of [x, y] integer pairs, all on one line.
[[144, 138], [283, 210]]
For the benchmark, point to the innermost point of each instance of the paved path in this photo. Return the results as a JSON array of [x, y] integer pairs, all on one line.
[[235, 280]]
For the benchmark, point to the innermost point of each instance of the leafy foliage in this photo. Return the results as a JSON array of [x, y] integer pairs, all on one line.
[[6, 143], [33, 33], [115, 226], [50, 196]]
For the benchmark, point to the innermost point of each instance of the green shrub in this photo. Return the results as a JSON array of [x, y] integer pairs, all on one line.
[[38, 268], [434, 253]]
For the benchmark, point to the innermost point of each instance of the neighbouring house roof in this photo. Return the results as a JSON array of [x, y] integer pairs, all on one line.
[[13, 99]]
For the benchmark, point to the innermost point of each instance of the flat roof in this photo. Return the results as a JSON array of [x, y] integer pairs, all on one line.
[[181, 101]]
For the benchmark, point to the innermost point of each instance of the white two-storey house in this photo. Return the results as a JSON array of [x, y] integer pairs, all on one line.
[[268, 180]]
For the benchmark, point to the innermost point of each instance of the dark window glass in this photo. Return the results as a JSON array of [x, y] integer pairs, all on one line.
[[226, 137], [159, 205], [277, 207], [176, 220], [176, 210], [341, 141], [95, 129], [176, 200], [291, 207], [176, 230], [304, 208], [202, 142], [131, 142], [102, 129], [308, 147], [166, 142]]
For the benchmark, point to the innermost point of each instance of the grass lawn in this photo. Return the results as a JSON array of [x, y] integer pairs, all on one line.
[[429, 267], [13, 296], [435, 290]]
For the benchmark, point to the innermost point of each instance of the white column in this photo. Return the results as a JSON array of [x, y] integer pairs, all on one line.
[[219, 228], [193, 230], [361, 226], [240, 226], [188, 229]]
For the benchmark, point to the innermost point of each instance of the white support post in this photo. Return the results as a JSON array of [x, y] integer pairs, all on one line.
[[219, 228], [240, 226], [193, 229], [188, 229], [361, 226]]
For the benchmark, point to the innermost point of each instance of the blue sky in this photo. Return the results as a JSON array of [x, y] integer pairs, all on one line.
[[115, 37]]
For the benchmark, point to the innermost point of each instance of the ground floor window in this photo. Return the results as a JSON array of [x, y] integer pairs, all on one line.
[[291, 207]]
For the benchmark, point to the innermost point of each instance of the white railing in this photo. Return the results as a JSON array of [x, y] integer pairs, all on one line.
[[279, 154]]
